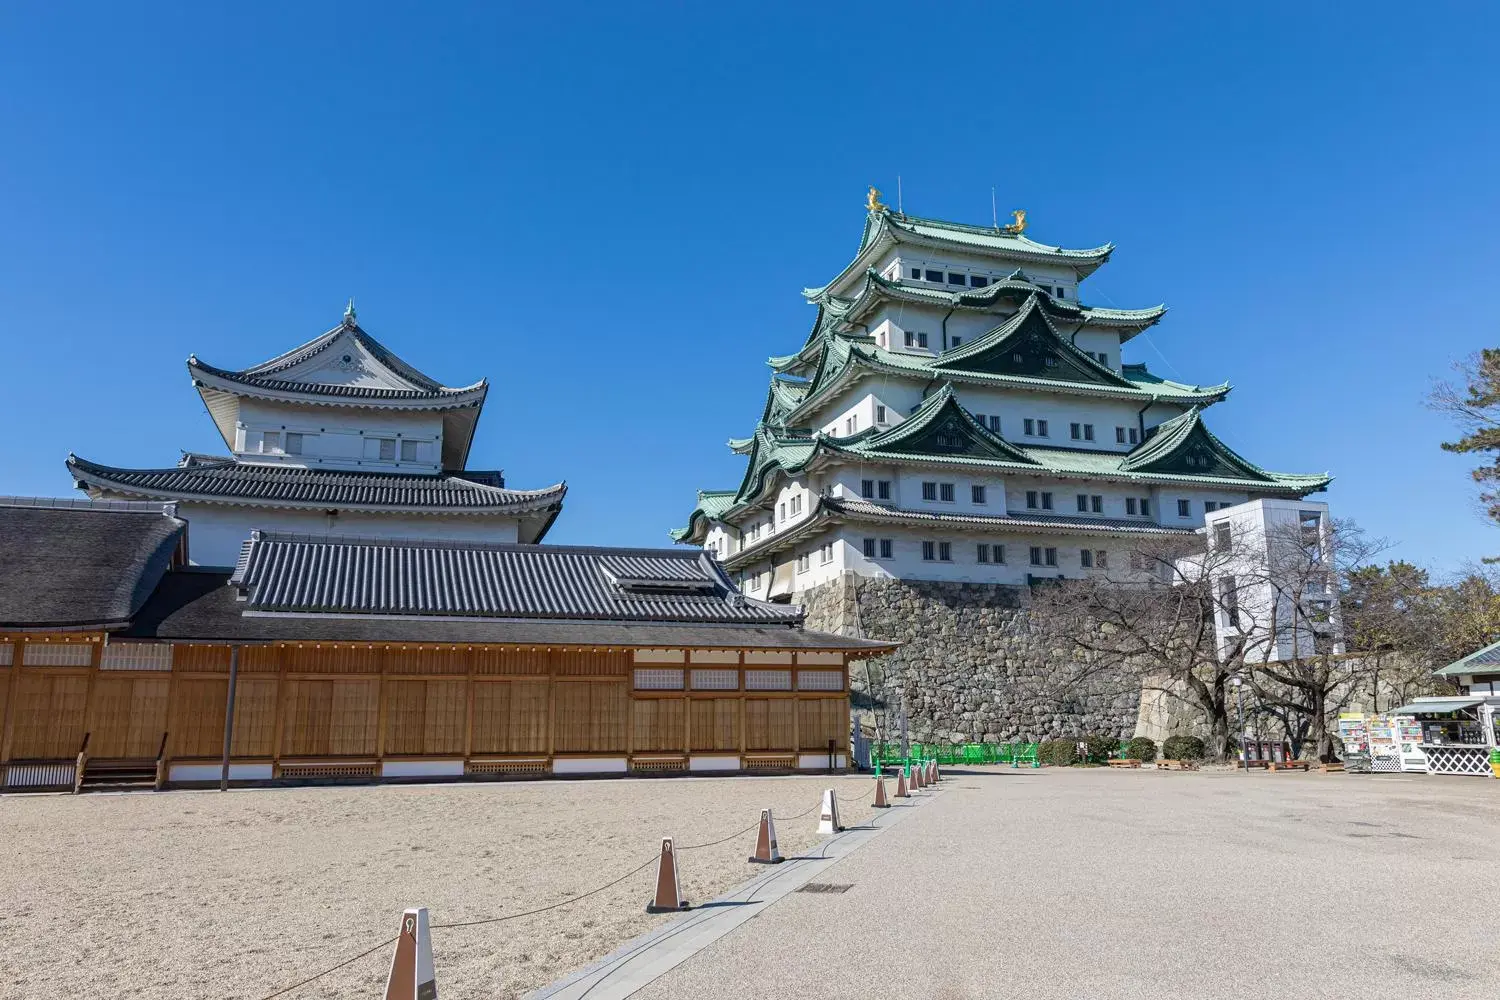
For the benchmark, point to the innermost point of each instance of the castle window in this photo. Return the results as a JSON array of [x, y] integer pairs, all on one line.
[[1017, 358], [1041, 428], [883, 489], [916, 272], [934, 275], [1049, 556], [1031, 499], [387, 449], [997, 553], [929, 491], [1145, 506], [1060, 292], [1030, 426], [1135, 436], [994, 423], [911, 339], [976, 494], [1036, 555], [945, 492], [1096, 504], [825, 554], [1101, 559], [1086, 558], [1130, 505], [1050, 362], [1209, 506], [1223, 539], [983, 552], [929, 551], [955, 279], [1083, 503], [957, 341], [1119, 435], [270, 442], [869, 548], [408, 449], [879, 414], [867, 489], [293, 443], [1046, 500], [945, 551], [1184, 508], [1088, 432], [885, 548], [804, 563], [921, 339], [978, 281], [1076, 431]]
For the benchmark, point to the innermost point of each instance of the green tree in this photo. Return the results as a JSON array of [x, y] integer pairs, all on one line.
[[1475, 405]]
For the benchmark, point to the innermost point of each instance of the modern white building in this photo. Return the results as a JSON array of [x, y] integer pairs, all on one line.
[[957, 413], [335, 437], [1274, 583]]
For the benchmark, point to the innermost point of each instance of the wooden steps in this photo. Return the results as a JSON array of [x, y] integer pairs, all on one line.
[[101, 775]]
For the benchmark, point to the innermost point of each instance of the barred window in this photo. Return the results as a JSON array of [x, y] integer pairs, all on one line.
[[136, 656], [59, 654], [768, 680], [716, 680], [664, 679], [820, 680]]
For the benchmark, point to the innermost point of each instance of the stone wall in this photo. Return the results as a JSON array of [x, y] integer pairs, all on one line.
[[970, 668]]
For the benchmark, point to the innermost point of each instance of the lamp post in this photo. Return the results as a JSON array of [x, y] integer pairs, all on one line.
[[1238, 683]]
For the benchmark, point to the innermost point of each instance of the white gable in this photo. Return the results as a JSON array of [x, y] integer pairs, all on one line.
[[346, 361]]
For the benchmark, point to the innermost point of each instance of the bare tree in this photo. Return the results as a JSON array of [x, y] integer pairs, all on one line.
[[1153, 618]]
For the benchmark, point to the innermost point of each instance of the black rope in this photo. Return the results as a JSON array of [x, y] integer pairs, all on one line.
[[527, 913]]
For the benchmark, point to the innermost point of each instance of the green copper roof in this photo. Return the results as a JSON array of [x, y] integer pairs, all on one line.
[[712, 505], [885, 228], [877, 289], [1481, 661]]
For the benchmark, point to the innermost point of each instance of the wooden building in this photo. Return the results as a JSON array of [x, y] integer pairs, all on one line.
[[339, 657]]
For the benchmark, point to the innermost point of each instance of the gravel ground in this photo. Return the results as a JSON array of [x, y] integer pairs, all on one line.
[[218, 895], [1063, 884]]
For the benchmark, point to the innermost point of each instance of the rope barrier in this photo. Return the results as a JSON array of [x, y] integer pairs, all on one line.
[[527, 913]]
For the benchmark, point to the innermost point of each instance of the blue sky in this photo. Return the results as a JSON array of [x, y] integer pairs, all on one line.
[[610, 211]]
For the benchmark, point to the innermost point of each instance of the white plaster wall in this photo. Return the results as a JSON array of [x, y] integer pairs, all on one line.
[[967, 263], [909, 490], [334, 436], [215, 532], [907, 562]]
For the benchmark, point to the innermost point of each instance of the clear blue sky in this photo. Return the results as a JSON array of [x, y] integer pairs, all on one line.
[[610, 211]]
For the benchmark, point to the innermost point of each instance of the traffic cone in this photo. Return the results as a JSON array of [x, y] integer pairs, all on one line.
[[766, 851], [828, 816], [668, 892], [932, 775], [902, 792], [880, 802], [411, 975], [916, 777]]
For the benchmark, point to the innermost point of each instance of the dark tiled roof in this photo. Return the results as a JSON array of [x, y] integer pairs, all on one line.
[[229, 481], [344, 575], [74, 563], [200, 605]]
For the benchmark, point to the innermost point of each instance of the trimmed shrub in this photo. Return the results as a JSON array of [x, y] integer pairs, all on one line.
[[1059, 753], [1142, 749], [1183, 748], [1101, 747]]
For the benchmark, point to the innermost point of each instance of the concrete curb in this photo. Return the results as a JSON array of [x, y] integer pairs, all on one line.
[[636, 963]]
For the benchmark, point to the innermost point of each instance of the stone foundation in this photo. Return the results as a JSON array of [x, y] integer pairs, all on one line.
[[970, 669]]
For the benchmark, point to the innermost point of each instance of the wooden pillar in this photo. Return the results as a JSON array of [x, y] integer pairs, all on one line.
[[551, 662], [12, 682], [234, 676], [469, 706], [282, 688], [740, 674], [382, 664]]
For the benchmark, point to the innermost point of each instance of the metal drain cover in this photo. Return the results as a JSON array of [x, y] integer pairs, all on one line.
[[825, 887]]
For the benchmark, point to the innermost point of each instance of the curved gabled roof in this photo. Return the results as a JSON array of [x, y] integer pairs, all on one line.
[[712, 505], [227, 481], [884, 229], [876, 289]]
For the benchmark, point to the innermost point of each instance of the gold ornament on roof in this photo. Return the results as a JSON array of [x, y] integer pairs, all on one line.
[[872, 201], [1019, 226]]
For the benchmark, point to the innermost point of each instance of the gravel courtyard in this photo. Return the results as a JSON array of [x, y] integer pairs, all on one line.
[[236, 895]]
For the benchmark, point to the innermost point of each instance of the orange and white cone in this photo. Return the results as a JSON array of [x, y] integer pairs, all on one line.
[[932, 775], [916, 778], [880, 801], [766, 851], [411, 976], [902, 792], [668, 893], [828, 816]]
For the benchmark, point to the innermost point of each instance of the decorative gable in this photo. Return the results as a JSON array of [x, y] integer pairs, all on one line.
[[942, 427], [1027, 345], [1185, 446]]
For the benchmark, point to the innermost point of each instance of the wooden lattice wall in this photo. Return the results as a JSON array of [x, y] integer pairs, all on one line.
[[384, 702]]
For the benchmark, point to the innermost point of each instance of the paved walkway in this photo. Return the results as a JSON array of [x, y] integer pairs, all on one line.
[[1093, 884]]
